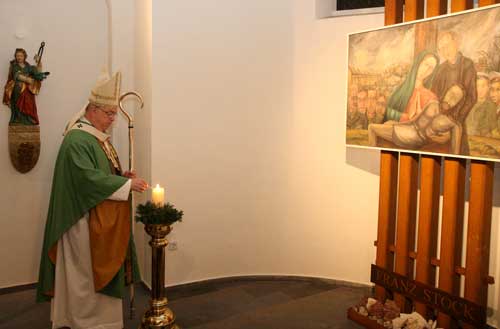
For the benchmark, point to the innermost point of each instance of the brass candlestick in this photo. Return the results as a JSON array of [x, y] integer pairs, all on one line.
[[159, 316]]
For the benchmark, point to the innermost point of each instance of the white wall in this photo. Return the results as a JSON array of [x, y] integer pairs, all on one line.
[[222, 81], [73, 61], [76, 51], [143, 79], [334, 187], [249, 143]]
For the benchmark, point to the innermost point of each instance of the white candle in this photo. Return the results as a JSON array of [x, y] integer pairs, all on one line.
[[158, 195]]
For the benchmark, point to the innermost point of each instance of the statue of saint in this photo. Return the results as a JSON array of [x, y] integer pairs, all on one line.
[[23, 83]]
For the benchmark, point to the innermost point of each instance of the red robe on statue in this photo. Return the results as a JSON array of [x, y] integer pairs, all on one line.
[[27, 105]]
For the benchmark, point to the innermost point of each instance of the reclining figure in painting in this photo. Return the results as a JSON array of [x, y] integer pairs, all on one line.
[[435, 124]]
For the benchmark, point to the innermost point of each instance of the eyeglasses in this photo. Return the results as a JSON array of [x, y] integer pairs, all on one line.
[[110, 114]]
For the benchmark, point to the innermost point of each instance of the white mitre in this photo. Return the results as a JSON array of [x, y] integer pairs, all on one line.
[[106, 92]]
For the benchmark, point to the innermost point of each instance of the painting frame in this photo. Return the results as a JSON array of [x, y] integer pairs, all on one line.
[[394, 147]]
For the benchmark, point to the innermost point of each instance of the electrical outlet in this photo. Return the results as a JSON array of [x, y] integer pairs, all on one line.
[[172, 245]]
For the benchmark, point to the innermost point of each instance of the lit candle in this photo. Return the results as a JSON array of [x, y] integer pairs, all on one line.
[[158, 195]]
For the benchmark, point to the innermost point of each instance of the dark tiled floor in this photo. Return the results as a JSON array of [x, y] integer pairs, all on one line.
[[239, 304]]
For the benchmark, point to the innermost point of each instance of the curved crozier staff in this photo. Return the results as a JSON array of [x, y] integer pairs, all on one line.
[[130, 120]]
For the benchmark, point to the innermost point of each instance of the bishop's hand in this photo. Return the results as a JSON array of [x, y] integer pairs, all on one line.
[[138, 185]]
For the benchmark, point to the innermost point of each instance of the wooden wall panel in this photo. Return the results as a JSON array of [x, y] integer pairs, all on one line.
[[386, 213], [479, 231], [408, 186], [406, 219], [479, 223], [414, 9], [430, 184], [460, 5], [388, 179], [483, 3], [436, 7], [452, 226], [451, 230], [393, 11]]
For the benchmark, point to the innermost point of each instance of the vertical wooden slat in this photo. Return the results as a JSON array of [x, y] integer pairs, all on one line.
[[393, 11], [426, 34], [406, 220], [453, 201], [436, 7], [386, 213], [459, 5], [414, 9], [388, 179], [483, 3], [407, 195], [479, 232], [479, 224], [451, 230], [430, 172]]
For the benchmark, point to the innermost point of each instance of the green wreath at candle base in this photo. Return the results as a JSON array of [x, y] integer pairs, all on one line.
[[150, 213]]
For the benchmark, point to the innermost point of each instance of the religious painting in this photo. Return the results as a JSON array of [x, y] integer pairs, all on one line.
[[23, 84], [431, 86]]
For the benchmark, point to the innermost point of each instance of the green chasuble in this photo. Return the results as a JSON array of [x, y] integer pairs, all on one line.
[[82, 179]]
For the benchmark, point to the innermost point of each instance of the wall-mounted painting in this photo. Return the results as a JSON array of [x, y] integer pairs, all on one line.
[[431, 86]]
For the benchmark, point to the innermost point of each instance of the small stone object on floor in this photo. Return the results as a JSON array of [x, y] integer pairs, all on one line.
[[413, 321], [375, 310], [389, 316], [391, 310]]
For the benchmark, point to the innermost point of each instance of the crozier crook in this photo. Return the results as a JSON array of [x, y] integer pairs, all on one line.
[[130, 123]]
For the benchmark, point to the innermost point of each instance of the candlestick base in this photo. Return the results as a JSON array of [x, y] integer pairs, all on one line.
[[159, 316]]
